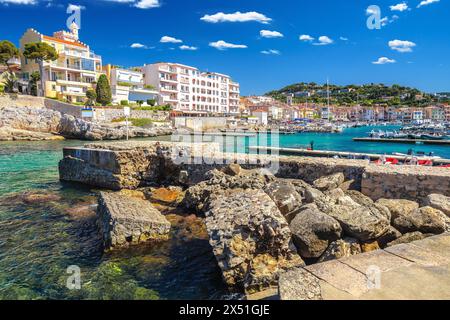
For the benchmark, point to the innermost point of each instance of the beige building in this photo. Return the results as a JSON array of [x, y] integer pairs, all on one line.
[[76, 70], [190, 90]]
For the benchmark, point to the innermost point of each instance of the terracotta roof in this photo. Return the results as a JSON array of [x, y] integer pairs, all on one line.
[[259, 110], [78, 44]]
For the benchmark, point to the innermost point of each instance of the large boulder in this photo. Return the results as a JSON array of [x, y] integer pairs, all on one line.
[[285, 196], [329, 182], [313, 230], [341, 248], [398, 207], [425, 220], [359, 198], [124, 220], [390, 235], [250, 238], [362, 223], [440, 202]]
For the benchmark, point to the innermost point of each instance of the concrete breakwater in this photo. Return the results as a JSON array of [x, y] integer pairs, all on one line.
[[261, 224]]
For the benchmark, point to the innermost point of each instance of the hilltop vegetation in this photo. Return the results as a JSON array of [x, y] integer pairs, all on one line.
[[366, 95]]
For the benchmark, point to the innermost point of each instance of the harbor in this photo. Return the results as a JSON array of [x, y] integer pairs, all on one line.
[[407, 141]]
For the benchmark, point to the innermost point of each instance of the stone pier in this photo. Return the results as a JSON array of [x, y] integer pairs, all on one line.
[[417, 270]]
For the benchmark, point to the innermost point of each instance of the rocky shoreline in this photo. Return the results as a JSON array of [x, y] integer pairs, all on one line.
[[37, 124], [260, 226]]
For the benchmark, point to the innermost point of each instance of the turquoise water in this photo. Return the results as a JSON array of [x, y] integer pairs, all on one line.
[[46, 226]]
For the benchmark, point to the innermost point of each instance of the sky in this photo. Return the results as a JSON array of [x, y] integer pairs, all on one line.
[[263, 45]]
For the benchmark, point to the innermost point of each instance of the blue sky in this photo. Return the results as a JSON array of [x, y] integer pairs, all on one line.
[[343, 48]]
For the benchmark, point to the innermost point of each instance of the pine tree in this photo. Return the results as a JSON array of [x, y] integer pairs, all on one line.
[[103, 90]]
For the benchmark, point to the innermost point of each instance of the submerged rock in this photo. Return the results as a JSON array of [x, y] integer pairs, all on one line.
[[329, 182], [313, 230], [250, 239], [123, 220], [440, 202], [341, 248]]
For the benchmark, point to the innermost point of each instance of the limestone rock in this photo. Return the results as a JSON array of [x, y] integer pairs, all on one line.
[[425, 220], [299, 284], [169, 195], [313, 230], [359, 198], [407, 238], [398, 207], [232, 170], [250, 238], [390, 235], [370, 246], [363, 223], [341, 248], [440, 202], [124, 220], [285, 196], [329, 182]]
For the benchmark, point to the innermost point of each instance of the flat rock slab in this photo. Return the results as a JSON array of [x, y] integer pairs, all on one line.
[[380, 259], [124, 220], [418, 255]]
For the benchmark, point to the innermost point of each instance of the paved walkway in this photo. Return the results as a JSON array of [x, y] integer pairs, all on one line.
[[418, 270]]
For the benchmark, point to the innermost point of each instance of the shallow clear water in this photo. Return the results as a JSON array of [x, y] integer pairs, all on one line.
[[46, 226]]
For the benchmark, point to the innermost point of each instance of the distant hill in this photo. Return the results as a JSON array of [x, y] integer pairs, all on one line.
[[367, 95]]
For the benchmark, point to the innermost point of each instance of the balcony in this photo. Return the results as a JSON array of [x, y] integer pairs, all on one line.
[[168, 69], [80, 83]]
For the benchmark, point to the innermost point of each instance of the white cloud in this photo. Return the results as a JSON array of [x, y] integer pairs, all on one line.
[[271, 52], [189, 48], [401, 45], [146, 4], [236, 17], [399, 7], [323, 41], [75, 7], [384, 60], [222, 45], [167, 39], [138, 46], [426, 3], [271, 34], [343, 38], [306, 37], [26, 2]]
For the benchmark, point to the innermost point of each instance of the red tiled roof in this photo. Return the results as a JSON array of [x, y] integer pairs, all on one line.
[[78, 44]]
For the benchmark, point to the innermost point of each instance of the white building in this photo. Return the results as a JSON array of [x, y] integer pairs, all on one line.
[[128, 85], [189, 90], [262, 117]]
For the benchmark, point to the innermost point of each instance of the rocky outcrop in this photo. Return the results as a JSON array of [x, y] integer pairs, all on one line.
[[439, 202], [250, 238], [124, 220], [329, 182], [341, 248], [313, 230], [18, 123], [398, 207]]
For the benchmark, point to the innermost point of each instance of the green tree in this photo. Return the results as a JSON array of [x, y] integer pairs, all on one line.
[[140, 102], [151, 102], [91, 96], [34, 78], [103, 90], [10, 82], [40, 52], [7, 51]]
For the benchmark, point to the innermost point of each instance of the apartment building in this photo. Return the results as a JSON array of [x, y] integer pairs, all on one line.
[[434, 113], [72, 74], [192, 91], [128, 85]]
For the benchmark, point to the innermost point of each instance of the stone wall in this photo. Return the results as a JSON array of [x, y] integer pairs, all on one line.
[[11, 100], [109, 114], [130, 165], [64, 108]]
